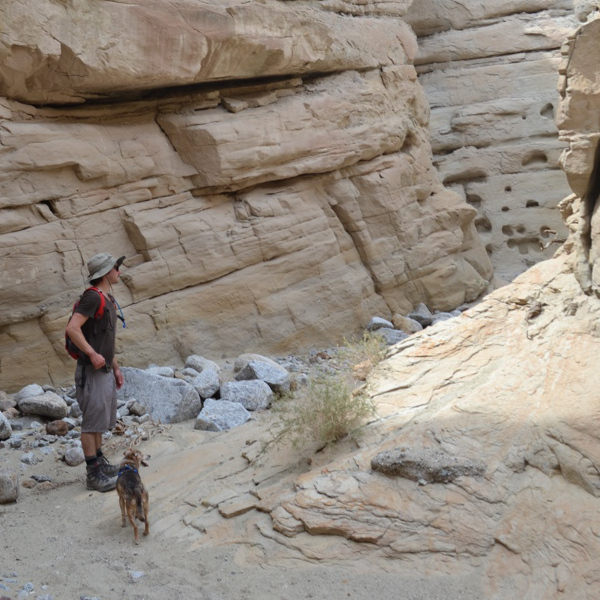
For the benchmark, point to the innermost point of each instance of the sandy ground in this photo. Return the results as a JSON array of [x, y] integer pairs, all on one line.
[[63, 542]]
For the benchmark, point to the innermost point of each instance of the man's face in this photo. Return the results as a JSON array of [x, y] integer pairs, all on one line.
[[113, 275]]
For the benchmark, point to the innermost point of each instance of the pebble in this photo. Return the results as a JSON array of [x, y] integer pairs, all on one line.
[[29, 459]]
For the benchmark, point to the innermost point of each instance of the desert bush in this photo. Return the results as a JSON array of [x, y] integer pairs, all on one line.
[[325, 411], [363, 354]]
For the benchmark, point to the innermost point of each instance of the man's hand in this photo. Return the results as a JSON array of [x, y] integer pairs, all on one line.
[[118, 377], [97, 360]]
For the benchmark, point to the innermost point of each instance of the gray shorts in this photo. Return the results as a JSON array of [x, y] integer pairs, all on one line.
[[97, 397]]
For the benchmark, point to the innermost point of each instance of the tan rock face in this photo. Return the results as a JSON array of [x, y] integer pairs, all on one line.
[[279, 210], [489, 70], [578, 122], [509, 385]]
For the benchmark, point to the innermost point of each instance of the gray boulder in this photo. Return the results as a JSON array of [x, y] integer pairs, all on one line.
[[167, 400], [47, 404], [242, 360], [377, 323], [274, 375], [5, 428], [221, 415], [407, 325], [421, 314], [426, 465], [29, 390], [9, 485], [441, 316], [162, 371], [252, 395], [206, 383], [392, 336], [199, 363]]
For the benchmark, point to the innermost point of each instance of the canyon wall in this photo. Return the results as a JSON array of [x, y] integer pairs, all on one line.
[[265, 167], [490, 73]]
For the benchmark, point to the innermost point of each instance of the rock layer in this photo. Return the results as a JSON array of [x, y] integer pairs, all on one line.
[[267, 174]]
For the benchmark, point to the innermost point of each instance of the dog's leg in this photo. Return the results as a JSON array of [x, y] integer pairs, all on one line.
[[122, 505], [131, 515], [145, 506]]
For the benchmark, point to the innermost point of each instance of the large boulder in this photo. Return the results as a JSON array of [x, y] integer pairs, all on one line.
[[221, 415], [252, 395], [275, 376], [168, 400], [48, 405]]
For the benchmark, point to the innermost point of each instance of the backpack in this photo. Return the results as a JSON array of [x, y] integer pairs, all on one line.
[[71, 348]]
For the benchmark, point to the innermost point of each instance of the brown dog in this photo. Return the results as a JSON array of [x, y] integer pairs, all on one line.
[[133, 497]]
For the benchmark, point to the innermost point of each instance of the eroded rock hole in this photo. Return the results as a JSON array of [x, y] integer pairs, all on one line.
[[505, 209], [507, 230], [483, 224], [535, 158], [532, 204], [525, 245], [474, 200], [51, 205], [548, 111]]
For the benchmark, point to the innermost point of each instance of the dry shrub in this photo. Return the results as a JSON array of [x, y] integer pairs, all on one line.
[[325, 411]]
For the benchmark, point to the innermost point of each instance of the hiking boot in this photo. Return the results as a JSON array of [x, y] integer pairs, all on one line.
[[108, 469], [97, 480]]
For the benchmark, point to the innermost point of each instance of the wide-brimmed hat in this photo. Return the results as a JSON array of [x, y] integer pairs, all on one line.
[[101, 264]]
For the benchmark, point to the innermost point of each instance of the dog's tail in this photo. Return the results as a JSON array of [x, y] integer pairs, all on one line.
[[139, 510]]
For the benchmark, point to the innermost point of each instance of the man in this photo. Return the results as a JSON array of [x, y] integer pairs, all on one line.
[[97, 376]]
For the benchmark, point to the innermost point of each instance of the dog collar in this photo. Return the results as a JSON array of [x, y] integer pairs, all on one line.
[[127, 468]]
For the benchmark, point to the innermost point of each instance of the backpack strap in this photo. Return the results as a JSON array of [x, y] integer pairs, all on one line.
[[100, 310]]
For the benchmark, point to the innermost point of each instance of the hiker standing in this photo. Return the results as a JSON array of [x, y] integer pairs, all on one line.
[[92, 328]]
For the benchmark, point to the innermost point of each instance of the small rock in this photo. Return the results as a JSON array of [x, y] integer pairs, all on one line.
[[29, 459], [9, 485], [60, 428], [441, 316], [199, 363], [378, 323], [75, 411], [421, 314], [11, 413], [136, 409], [392, 336], [407, 325], [5, 428], [6, 402], [74, 456]]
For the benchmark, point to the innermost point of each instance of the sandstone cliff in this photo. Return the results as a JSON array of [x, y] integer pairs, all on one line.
[[490, 71], [264, 166]]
